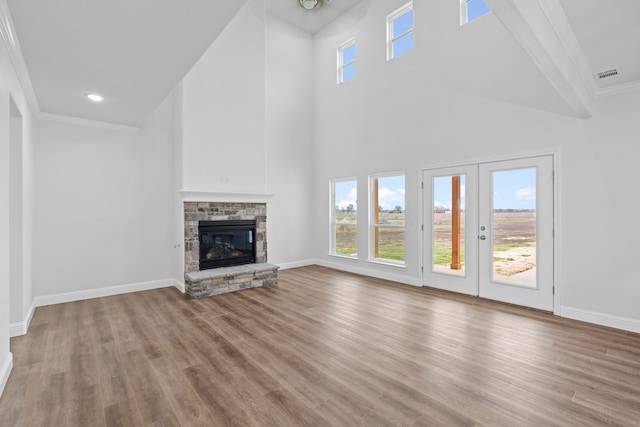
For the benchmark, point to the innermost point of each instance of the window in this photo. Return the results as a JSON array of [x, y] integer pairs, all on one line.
[[400, 31], [344, 218], [472, 9], [387, 218], [346, 61]]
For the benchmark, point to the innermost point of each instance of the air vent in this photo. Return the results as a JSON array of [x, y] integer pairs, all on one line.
[[608, 73]]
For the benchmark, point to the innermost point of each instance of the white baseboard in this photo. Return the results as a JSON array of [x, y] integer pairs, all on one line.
[[17, 329], [297, 264], [103, 292], [372, 273], [21, 328], [179, 285], [603, 319], [5, 372]]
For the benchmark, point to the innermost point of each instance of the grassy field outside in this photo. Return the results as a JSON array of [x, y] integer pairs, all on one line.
[[391, 240], [512, 230], [442, 238], [346, 233]]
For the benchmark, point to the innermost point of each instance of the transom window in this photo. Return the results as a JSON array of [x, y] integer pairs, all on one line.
[[400, 31], [472, 9], [387, 218], [347, 61], [344, 217]]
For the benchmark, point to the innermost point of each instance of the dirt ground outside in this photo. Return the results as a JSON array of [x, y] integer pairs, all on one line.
[[514, 241]]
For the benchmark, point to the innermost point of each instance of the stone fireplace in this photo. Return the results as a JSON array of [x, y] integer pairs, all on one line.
[[204, 278]]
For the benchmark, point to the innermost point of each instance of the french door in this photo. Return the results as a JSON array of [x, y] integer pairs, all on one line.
[[488, 230]]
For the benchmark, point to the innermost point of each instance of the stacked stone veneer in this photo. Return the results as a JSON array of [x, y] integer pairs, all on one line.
[[226, 279]]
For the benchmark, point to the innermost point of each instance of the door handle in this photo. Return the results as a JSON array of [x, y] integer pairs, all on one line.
[[483, 237]]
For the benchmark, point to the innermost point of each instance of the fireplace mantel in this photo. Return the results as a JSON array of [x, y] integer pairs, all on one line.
[[206, 196]]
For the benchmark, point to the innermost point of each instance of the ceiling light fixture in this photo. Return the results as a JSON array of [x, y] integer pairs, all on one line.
[[95, 97], [310, 4]]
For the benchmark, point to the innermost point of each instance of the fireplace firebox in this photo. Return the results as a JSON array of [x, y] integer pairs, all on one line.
[[226, 243]]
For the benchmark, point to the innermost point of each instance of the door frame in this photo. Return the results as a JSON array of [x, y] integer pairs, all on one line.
[[556, 156], [467, 284]]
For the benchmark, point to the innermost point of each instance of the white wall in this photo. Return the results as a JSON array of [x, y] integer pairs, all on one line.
[[289, 137], [406, 114], [600, 231], [224, 110], [5, 355], [246, 115], [104, 207], [15, 187]]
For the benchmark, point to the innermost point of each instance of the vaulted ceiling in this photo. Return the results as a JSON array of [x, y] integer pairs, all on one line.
[[310, 21], [135, 52], [608, 33]]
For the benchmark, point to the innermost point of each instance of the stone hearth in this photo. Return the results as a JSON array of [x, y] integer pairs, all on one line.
[[228, 279]]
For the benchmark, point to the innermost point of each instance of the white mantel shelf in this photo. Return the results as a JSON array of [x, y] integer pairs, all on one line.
[[206, 196]]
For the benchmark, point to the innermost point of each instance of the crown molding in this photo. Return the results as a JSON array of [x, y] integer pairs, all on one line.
[[86, 122], [618, 89], [12, 45]]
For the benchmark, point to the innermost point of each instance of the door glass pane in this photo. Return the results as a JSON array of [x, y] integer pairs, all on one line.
[[448, 225], [514, 227]]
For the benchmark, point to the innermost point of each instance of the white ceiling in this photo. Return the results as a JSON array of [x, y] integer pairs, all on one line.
[[310, 21], [609, 35], [135, 52]]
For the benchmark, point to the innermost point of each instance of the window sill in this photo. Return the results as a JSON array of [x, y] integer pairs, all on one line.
[[353, 258], [388, 263]]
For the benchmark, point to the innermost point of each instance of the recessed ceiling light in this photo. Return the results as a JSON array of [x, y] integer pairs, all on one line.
[[95, 97]]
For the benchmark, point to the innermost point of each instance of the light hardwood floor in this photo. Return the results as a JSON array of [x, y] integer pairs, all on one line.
[[322, 348]]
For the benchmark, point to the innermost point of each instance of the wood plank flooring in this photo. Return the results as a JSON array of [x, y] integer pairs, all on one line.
[[322, 348]]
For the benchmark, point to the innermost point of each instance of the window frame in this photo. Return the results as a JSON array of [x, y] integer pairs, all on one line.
[[340, 55], [373, 226], [391, 18], [464, 13], [333, 220]]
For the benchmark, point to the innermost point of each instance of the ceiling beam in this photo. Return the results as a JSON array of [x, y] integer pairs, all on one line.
[[542, 29]]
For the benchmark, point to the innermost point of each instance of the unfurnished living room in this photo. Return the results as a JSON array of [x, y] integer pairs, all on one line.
[[319, 213]]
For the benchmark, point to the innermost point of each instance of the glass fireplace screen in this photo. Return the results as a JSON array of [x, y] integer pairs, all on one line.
[[226, 243]]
